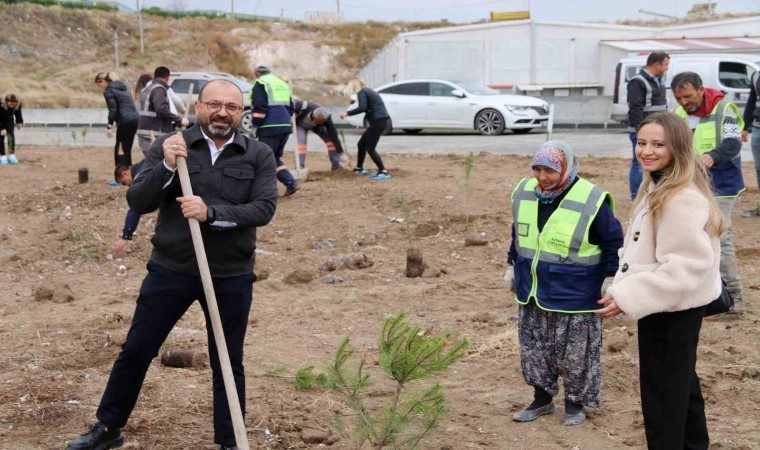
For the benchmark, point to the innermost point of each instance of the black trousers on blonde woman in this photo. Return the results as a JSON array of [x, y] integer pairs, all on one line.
[[125, 138], [671, 398]]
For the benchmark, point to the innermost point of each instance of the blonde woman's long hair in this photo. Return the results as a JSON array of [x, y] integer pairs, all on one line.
[[684, 170]]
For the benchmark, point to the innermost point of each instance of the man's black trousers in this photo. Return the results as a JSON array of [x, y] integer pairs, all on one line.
[[164, 297]]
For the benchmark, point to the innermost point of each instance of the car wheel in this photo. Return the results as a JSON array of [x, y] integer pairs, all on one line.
[[521, 130], [246, 123], [412, 130], [489, 122], [387, 131]]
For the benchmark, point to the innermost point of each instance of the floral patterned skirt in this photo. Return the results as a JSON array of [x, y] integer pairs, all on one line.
[[556, 344]]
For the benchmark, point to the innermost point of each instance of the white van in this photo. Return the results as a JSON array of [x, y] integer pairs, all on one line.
[[725, 72]]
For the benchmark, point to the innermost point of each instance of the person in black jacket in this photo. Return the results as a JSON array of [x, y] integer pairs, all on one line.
[[372, 104], [646, 95], [752, 124], [234, 187], [10, 120], [121, 113]]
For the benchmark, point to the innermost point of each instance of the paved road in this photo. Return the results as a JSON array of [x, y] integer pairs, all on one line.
[[585, 142]]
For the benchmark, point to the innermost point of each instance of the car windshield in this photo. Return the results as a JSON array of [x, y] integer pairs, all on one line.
[[478, 89]]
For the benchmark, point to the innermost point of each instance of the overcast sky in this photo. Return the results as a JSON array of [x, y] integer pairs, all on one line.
[[458, 10]]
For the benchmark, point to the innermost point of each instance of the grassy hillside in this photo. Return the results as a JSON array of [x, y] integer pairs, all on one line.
[[50, 55]]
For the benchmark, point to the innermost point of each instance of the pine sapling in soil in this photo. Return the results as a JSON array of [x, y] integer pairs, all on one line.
[[472, 236], [407, 355], [415, 262]]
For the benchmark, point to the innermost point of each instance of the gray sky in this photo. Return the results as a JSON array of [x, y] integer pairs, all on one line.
[[459, 10]]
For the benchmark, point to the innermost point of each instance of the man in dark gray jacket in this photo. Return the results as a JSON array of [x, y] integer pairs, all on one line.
[[752, 124], [155, 116], [646, 95], [234, 192]]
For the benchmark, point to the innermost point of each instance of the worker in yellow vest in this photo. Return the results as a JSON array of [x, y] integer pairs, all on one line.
[[565, 239], [717, 140], [272, 109]]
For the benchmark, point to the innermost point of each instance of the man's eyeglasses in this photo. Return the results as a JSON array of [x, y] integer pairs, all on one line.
[[215, 107]]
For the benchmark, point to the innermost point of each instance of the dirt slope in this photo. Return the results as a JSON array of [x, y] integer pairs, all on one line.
[[50, 55]]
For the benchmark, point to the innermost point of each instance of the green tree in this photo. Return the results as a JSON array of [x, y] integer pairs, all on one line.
[[407, 354]]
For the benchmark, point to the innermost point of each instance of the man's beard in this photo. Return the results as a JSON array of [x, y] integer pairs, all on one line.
[[216, 132]]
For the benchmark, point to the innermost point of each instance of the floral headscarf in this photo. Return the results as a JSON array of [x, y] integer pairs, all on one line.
[[557, 156]]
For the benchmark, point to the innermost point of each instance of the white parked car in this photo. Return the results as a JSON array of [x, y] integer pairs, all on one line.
[[180, 83], [415, 105]]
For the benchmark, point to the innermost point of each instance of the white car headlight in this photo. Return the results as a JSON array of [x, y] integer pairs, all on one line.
[[523, 110]]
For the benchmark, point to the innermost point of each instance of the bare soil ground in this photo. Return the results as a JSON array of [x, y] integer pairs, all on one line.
[[65, 307]]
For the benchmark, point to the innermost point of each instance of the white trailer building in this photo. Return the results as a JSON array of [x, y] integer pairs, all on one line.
[[547, 58]]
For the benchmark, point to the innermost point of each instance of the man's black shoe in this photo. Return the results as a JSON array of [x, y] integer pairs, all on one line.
[[100, 437], [224, 447]]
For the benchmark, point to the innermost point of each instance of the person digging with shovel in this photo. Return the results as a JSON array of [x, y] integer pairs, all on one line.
[[235, 191]]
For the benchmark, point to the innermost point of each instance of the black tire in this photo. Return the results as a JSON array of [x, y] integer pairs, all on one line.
[[412, 130], [489, 122], [387, 131], [521, 130], [246, 123]]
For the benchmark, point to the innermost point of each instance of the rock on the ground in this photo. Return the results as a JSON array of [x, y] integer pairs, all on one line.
[[432, 272], [353, 261], [332, 279], [324, 244], [179, 357], [312, 436], [262, 274], [55, 294], [475, 239], [299, 276]]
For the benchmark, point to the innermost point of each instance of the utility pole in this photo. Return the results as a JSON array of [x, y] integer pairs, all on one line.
[[232, 9], [533, 49], [338, 6], [116, 50], [140, 24]]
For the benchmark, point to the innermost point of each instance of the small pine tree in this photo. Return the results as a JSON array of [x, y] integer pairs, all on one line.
[[84, 134], [406, 213], [407, 354], [469, 188]]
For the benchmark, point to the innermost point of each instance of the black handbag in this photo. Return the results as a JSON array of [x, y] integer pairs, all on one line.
[[723, 304]]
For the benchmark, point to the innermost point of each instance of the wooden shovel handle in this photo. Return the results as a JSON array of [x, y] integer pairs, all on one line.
[[238, 423]]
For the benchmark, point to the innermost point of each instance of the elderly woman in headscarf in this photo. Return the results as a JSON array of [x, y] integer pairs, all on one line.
[[565, 239]]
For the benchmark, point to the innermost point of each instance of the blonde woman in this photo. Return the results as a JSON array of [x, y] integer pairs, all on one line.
[[121, 114], [669, 271]]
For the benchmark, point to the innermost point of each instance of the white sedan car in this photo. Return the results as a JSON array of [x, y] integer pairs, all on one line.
[[415, 105]]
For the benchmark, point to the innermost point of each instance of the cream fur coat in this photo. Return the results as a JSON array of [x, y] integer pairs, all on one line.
[[671, 265]]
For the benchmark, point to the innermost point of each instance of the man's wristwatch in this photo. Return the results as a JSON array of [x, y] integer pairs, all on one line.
[[210, 214]]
